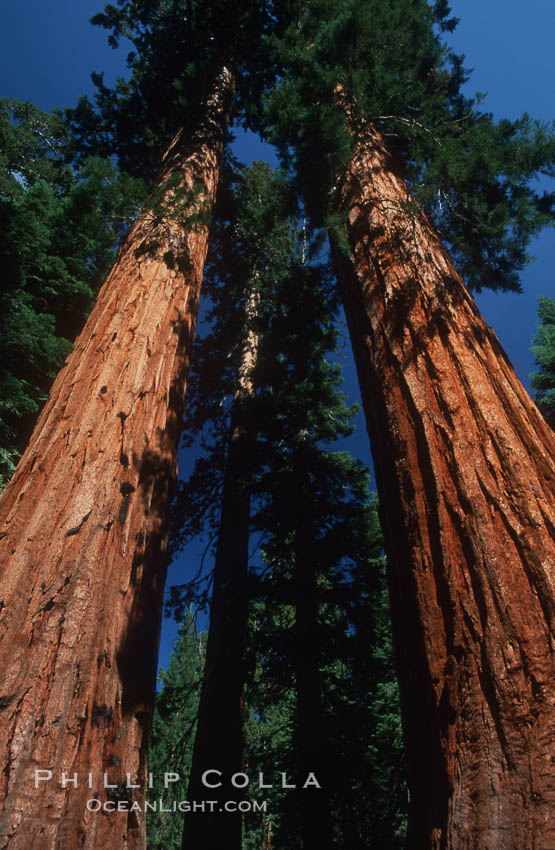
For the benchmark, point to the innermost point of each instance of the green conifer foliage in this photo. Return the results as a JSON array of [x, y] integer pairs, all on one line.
[[173, 729], [543, 380], [178, 48], [470, 173]]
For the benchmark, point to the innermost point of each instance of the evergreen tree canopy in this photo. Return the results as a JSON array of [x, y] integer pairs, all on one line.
[[33, 147], [179, 46], [470, 173], [543, 381]]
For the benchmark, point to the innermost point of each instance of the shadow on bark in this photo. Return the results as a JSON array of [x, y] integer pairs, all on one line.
[[137, 655]]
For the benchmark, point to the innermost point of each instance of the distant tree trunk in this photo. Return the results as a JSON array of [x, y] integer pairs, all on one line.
[[83, 529], [219, 736], [311, 737], [465, 467]]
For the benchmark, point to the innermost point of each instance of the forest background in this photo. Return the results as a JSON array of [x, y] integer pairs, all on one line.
[[48, 51]]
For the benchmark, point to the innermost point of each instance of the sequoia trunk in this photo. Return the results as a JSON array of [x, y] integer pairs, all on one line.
[[465, 470], [83, 530], [219, 735]]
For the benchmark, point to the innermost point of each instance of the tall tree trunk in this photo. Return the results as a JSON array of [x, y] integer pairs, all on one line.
[[465, 470], [83, 531], [312, 756], [219, 736]]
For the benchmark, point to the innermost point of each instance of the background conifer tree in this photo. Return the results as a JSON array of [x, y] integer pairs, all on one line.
[[543, 381], [315, 672], [172, 735]]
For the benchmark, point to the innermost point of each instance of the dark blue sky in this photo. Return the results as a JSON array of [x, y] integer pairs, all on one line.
[[510, 47], [48, 50]]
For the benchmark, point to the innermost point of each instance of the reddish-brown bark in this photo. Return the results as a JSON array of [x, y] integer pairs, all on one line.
[[83, 530], [465, 467]]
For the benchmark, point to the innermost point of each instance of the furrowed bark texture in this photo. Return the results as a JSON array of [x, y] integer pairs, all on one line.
[[465, 467], [219, 734], [83, 531]]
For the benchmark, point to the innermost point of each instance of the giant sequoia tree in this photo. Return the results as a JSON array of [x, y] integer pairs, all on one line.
[[59, 231], [464, 462], [84, 517], [391, 157], [465, 466]]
